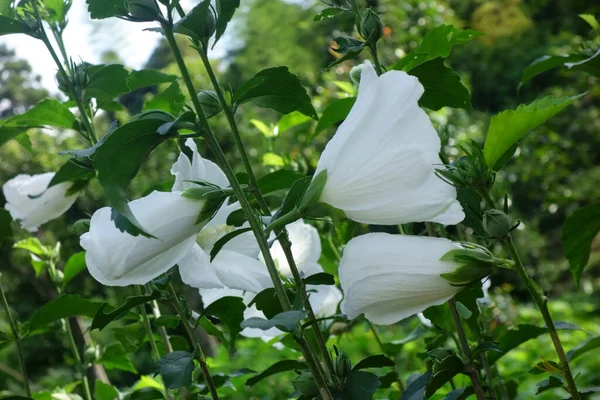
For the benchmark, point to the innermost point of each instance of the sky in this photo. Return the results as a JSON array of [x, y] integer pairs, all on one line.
[[86, 39]]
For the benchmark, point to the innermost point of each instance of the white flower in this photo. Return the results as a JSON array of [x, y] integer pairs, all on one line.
[[33, 212], [391, 277], [381, 162], [116, 258]]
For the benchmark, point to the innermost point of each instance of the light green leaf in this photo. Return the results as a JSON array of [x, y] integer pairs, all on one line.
[[336, 112], [591, 20], [579, 231], [273, 160], [34, 246], [443, 87], [74, 266], [509, 126], [103, 391], [170, 100], [115, 357], [68, 305], [100, 9], [148, 77], [291, 120], [263, 128], [48, 112]]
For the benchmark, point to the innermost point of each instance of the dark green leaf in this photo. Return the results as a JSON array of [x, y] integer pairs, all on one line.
[[107, 83], [237, 218], [279, 180], [322, 278], [287, 321], [293, 197], [9, 26], [75, 264], [73, 170], [280, 366], [115, 357], [100, 9], [327, 13], [336, 112], [582, 348], [170, 100], [507, 127], [194, 24], [393, 348], [119, 159], [224, 240], [348, 48], [486, 346], [376, 361], [7, 134], [277, 89], [230, 311], [416, 389], [460, 394], [101, 319], [68, 305], [225, 11], [148, 77], [169, 321], [578, 233], [48, 112], [443, 87], [176, 369], [360, 385], [591, 65], [103, 391], [5, 228], [266, 301], [550, 383], [546, 63], [147, 393], [443, 370], [471, 204]]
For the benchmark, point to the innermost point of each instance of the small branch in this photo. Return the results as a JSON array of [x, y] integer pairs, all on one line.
[[147, 326]]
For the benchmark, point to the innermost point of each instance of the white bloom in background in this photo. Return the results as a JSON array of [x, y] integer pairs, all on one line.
[[33, 212], [381, 162], [116, 258], [391, 277]]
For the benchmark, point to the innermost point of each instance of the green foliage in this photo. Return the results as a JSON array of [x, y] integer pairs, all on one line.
[[102, 319], [10, 26], [115, 357], [579, 231], [287, 321], [280, 366], [225, 11], [74, 266], [68, 305], [176, 369], [100, 9], [443, 87], [230, 311], [335, 113]]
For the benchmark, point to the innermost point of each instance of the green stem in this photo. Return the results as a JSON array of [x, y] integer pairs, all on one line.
[[373, 51], [479, 393], [279, 225], [382, 348], [161, 329], [17, 339], [542, 303], [198, 353], [78, 361], [61, 47], [255, 225], [147, 326]]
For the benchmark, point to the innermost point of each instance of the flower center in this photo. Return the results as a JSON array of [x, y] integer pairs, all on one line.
[[208, 236]]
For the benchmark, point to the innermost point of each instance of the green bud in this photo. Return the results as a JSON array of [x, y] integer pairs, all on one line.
[[209, 102], [343, 366], [496, 223], [80, 76], [355, 74], [474, 263], [143, 10], [371, 27], [306, 385], [62, 82]]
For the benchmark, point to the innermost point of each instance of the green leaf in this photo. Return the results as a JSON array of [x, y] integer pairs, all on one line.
[[120, 157], [7, 134], [147, 393], [291, 121], [443, 87], [170, 100], [100, 9], [108, 83], [5, 228], [75, 264], [336, 112], [224, 240], [34, 246], [102, 319], [176, 369], [9, 26], [416, 389], [286, 321], [266, 301], [115, 357], [148, 77], [443, 370], [230, 311], [348, 48], [591, 65], [194, 24], [322, 278], [360, 385], [280, 366], [6, 8], [48, 112], [277, 89], [582, 348], [68, 305], [273, 160], [279, 180], [550, 383], [546, 63], [103, 391], [225, 11], [509, 126], [73, 170], [591, 20], [437, 43], [486, 346], [578, 233], [376, 361], [327, 13]]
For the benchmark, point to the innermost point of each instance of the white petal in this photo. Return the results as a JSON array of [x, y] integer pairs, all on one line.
[[33, 212], [238, 271], [199, 169], [196, 270], [391, 277], [306, 248], [324, 299], [452, 216], [116, 258]]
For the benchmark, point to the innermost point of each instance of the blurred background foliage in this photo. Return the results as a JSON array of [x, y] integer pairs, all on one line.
[[556, 170]]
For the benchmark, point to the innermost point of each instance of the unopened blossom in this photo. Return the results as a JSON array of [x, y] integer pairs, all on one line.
[[32, 203], [391, 277], [380, 164]]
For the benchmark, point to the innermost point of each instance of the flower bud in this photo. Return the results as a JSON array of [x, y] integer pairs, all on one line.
[[355, 73], [343, 366], [474, 262], [371, 27], [80, 76], [143, 10], [305, 384], [62, 82], [209, 102], [496, 223]]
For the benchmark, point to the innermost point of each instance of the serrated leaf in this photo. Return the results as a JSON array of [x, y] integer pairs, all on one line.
[[68, 305], [280, 366], [75, 264], [286, 321], [509, 126], [47, 113], [376, 361], [102, 319], [336, 112], [148, 77], [278, 89], [443, 87], [170, 100], [100, 9], [176, 369], [582, 348], [578, 233], [225, 11], [115, 357], [107, 83]]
